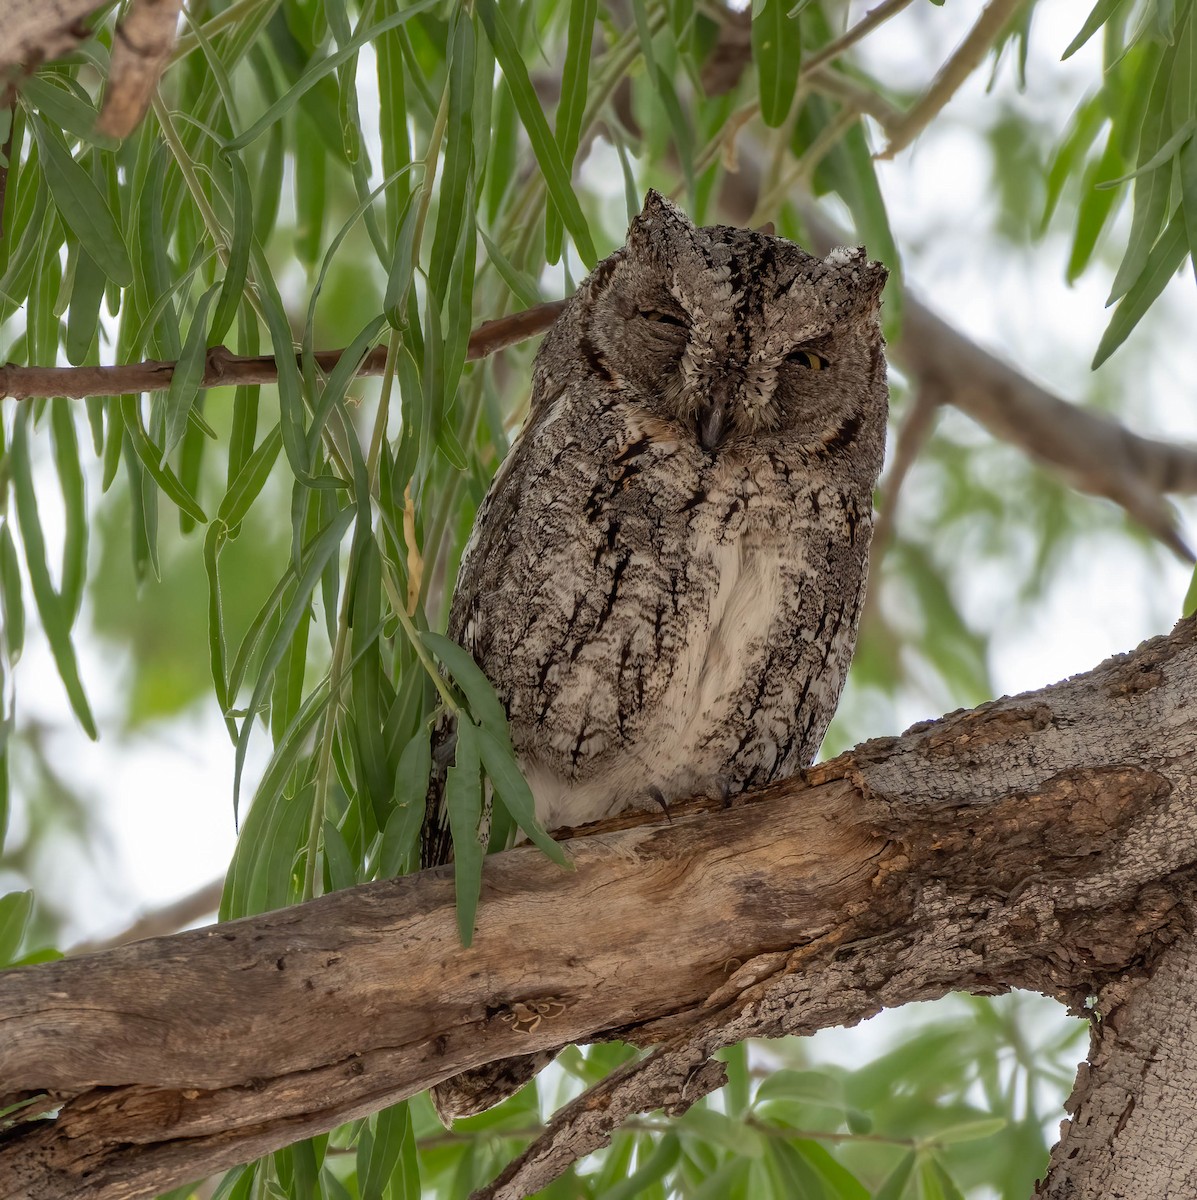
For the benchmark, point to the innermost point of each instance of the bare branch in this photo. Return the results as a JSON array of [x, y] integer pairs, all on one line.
[[141, 48], [1047, 841], [967, 58], [225, 369]]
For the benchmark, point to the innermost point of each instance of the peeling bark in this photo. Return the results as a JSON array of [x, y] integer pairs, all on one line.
[[1047, 841], [38, 31]]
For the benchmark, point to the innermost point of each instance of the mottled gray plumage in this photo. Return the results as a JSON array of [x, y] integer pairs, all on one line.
[[664, 581]]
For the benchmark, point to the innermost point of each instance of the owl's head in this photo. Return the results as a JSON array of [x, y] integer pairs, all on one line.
[[736, 335]]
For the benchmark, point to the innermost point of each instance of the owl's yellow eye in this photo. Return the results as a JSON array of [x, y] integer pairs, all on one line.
[[808, 359]]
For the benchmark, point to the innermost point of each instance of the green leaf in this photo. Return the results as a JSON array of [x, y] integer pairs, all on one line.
[[575, 75], [251, 479], [50, 607], [512, 790], [400, 839], [548, 155], [456, 188], [83, 208], [15, 910], [87, 290], [236, 270], [65, 109], [970, 1131], [463, 802], [479, 692], [1162, 263], [70, 480], [658, 1164], [151, 459], [894, 1186], [10, 595], [342, 871], [1101, 13], [315, 555], [777, 52], [188, 374], [323, 67]]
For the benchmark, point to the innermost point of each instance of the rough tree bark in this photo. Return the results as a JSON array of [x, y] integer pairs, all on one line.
[[1047, 841]]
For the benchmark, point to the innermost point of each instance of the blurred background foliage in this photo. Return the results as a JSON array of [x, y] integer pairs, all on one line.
[[250, 572]]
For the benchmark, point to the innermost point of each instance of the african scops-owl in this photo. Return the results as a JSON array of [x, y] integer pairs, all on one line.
[[665, 579]]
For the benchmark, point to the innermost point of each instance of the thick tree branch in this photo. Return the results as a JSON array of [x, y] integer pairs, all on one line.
[[1047, 841]]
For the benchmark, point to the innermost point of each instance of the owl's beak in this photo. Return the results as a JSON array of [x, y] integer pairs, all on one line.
[[712, 421]]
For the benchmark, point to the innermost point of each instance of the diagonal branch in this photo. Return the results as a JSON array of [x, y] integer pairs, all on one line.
[[1048, 841], [141, 48]]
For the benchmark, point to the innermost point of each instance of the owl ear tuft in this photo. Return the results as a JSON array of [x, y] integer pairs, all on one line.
[[658, 214], [865, 279]]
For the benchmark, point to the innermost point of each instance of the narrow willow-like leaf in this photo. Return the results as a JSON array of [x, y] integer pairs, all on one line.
[[1095, 208], [50, 607], [250, 480], [463, 802], [1098, 16], [894, 1185], [323, 67], [338, 861], [83, 208], [523, 287], [188, 374], [315, 555], [66, 110], [1151, 189], [86, 293], [15, 910], [70, 480], [575, 76], [777, 52], [152, 460], [1162, 263], [236, 269], [456, 189], [214, 541], [514, 793], [393, 1137], [556, 177], [400, 839], [12, 602], [478, 690], [655, 1166]]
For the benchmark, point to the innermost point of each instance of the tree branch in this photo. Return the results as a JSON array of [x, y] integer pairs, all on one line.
[[141, 48], [225, 369], [1047, 841]]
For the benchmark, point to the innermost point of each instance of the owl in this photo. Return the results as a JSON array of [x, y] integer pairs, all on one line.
[[665, 579]]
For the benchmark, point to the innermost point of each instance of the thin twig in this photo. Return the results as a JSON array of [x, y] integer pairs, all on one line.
[[225, 369], [952, 74], [862, 28]]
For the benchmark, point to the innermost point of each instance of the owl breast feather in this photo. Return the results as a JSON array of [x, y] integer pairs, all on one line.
[[659, 623]]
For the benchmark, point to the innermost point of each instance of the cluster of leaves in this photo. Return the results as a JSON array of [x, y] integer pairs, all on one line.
[[1146, 108], [262, 204]]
